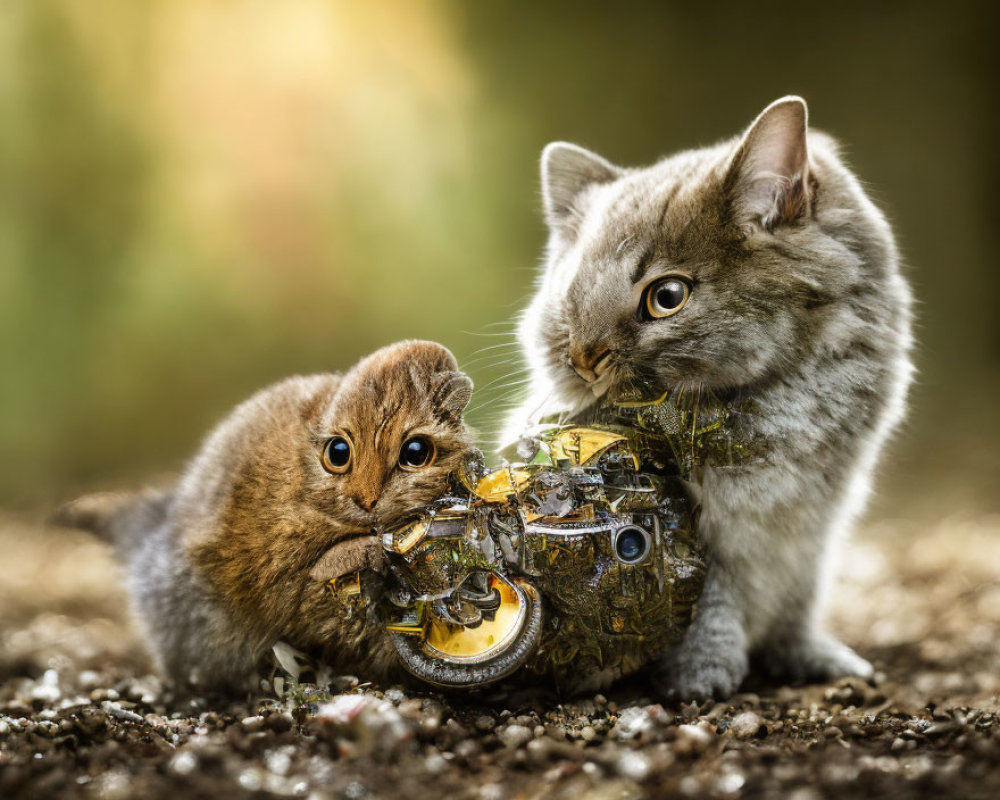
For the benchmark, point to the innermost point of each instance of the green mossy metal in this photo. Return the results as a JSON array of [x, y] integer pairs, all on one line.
[[555, 525]]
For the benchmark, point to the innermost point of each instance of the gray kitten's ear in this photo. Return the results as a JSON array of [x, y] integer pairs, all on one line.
[[453, 393], [768, 179], [566, 171]]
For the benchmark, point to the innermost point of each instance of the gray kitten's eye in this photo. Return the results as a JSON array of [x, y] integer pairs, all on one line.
[[664, 297], [337, 454], [416, 452]]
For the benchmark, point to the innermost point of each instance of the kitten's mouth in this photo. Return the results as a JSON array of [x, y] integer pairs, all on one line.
[[592, 368], [603, 383], [596, 370]]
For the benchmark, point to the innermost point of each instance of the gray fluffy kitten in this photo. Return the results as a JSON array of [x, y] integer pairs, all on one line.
[[758, 269]]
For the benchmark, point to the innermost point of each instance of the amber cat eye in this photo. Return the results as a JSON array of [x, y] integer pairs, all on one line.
[[416, 452], [664, 297], [337, 454]]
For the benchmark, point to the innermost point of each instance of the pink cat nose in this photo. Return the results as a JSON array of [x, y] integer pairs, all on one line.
[[364, 503], [591, 364]]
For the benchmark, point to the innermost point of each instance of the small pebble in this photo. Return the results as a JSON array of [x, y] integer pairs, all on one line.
[[632, 723], [251, 779], [592, 770], [46, 693], [693, 738], [730, 783], [184, 762], [484, 723], [251, 724], [492, 791], [539, 749], [395, 696], [467, 749], [47, 729], [587, 733], [88, 679], [278, 762], [633, 764], [748, 725], [435, 764], [515, 735]]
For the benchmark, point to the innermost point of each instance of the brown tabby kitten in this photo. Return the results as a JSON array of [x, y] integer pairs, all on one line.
[[219, 566]]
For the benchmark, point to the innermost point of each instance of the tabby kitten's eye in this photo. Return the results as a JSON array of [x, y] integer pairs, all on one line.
[[664, 297], [337, 454], [416, 452]]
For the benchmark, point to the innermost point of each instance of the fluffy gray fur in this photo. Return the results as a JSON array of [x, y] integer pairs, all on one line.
[[797, 304]]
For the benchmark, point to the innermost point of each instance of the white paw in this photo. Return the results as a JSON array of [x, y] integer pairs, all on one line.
[[832, 659], [819, 658]]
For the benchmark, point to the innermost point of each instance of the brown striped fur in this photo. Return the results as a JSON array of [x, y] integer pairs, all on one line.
[[225, 571]]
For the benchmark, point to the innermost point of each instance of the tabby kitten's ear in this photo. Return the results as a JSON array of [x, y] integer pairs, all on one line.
[[768, 179], [452, 393], [567, 170]]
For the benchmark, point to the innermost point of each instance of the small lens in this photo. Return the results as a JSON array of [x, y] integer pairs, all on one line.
[[631, 544]]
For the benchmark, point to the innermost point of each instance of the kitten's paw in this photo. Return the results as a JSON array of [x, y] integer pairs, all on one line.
[[818, 658], [695, 674]]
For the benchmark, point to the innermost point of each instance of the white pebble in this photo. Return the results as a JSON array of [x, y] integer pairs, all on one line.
[[633, 764], [731, 783], [251, 779], [251, 724], [88, 679], [435, 764], [515, 735], [342, 709], [184, 763], [632, 723], [278, 762], [46, 692], [395, 696], [746, 725]]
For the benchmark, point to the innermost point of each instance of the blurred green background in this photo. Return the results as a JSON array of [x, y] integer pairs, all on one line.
[[197, 198]]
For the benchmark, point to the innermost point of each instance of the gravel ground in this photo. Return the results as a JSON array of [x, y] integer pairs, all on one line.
[[80, 715]]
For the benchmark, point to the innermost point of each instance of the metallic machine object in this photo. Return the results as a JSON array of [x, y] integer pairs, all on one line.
[[580, 563]]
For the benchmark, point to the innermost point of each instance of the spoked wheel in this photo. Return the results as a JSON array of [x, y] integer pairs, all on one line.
[[461, 656]]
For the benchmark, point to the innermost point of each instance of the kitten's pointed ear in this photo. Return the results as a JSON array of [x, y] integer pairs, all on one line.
[[454, 391], [567, 170], [768, 179]]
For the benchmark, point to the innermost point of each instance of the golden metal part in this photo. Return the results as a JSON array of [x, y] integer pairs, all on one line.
[[410, 629], [498, 486], [579, 446], [409, 537], [457, 642], [643, 403], [348, 585]]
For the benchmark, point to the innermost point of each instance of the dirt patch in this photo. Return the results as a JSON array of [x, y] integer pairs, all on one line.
[[80, 716]]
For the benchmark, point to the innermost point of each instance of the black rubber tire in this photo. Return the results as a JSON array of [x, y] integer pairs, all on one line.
[[450, 675]]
